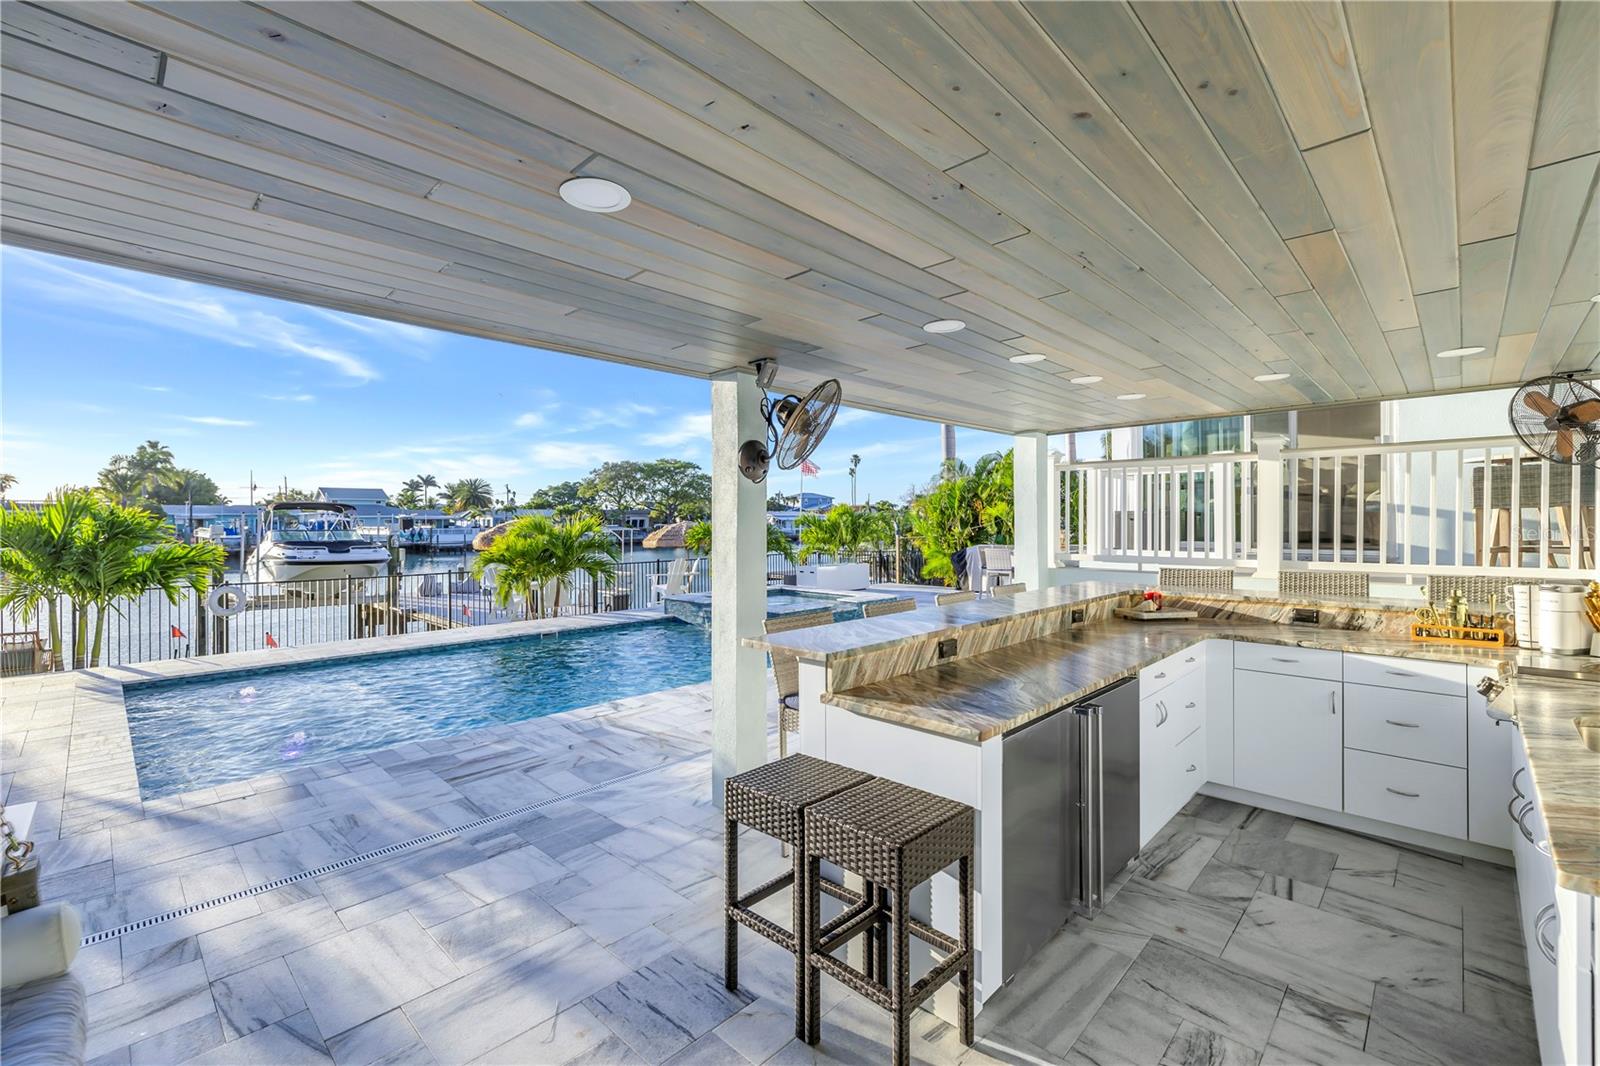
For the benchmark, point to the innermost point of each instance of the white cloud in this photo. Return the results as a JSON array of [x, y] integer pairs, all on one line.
[[572, 455], [216, 420], [156, 388], [184, 306], [625, 413], [529, 419], [849, 416], [691, 428]]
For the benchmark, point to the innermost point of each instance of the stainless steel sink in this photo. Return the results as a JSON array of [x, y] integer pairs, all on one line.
[[1560, 673], [1588, 726]]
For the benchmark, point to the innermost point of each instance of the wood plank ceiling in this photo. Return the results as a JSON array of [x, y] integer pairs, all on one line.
[[1173, 197]]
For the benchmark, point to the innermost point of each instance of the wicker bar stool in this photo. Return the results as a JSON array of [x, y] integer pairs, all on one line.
[[786, 669], [773, 799], [895, 837]]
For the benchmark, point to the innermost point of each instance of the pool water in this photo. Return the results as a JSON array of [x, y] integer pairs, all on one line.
[[784, 601], [195, 734]]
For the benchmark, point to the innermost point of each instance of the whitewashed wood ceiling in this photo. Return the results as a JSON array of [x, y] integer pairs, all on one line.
[[1176, 197]]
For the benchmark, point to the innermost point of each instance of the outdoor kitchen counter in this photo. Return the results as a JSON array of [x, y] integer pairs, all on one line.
[[989, 695]]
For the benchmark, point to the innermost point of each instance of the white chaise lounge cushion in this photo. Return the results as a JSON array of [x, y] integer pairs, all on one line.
[[37, 943], [43, 1012]]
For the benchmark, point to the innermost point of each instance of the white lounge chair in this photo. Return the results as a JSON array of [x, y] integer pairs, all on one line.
[[996, 566], [679, 579]]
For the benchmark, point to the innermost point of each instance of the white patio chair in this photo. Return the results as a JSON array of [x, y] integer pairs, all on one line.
[[676, 583], [996, 566]]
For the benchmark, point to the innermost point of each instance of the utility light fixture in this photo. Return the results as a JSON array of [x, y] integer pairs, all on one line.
[[1272, 377], [1131, 396], [944, 325], [1087, 379], [1030, 357], [595, 194], [1461, 353]]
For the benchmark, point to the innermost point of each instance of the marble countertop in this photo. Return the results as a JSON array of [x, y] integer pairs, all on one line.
[[989, 695]]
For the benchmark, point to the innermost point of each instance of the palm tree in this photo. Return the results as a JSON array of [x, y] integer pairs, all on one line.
[[407, 497], [7, 483], [427, 482], [855, 461], [968, 507], [842, 530], [35, 547], [120, 481], [697, 538], [535, 553], [471, 494]]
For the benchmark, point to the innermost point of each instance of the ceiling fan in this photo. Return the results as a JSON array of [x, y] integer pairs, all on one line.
[[1558, 418], [795, 424]]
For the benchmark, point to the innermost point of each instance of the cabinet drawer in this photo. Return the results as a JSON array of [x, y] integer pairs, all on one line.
[[1421, 795], [1159, 675], [1191, 762], [1416, 674], [1300, 662], [1174, 711], [1413, 725]]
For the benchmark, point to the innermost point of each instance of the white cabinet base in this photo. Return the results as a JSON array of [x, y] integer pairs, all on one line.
[[1415, 838]]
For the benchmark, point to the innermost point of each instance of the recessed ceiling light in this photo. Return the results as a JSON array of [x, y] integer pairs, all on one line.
[[1459, 353], [1031, 357], [1272, 377], [1131, 396], [1087, 379], [944, 325], [595, 194]]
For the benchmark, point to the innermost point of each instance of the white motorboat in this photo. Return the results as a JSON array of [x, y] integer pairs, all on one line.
[[305, 540]]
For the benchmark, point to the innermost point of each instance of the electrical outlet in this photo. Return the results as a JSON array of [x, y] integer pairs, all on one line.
[[1079, 615], [1305, 616], [947, 648]]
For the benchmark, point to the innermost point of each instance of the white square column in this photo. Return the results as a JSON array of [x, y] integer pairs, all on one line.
[[1269, 507], [1035, 523], [738, 582]]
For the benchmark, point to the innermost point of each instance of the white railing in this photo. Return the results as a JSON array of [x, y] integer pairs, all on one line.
[[1483, 505]]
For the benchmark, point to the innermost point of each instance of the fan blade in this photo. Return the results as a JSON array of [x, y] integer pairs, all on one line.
[[1587, 411], [1564, 444], [1542, 404]]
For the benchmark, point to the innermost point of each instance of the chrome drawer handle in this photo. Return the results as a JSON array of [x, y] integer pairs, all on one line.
[[1333, 702], [1190, 659], [1400, 673], [1523, 825], [1546, 916], [1404, 725], [1162, 707], [1520, 794], [1160, 675], [1278, 659], [1189, 706], [1191, 769], [1407, 795]]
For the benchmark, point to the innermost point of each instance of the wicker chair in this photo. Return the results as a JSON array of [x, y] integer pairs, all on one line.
[[1206, 578], [1323, 583], [786, 670], [878, 608], [1010, 589], [944, 598]]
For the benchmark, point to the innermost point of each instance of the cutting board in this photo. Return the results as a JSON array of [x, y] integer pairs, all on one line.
[[1155, 616]]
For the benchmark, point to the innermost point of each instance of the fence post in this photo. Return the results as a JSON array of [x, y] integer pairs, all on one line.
[[200, 641]]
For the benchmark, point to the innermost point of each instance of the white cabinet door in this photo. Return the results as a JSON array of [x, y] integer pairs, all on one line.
[[1288, 737], [1489, 769], [1219, 711]]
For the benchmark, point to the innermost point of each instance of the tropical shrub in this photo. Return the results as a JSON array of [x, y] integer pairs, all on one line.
[[842, 531], [967, 507], [535, 554], [697, 539]]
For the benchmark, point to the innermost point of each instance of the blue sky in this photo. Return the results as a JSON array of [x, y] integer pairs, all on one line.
[[94, 359]]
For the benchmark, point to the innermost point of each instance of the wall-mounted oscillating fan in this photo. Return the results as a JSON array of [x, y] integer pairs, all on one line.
[[795, 425], [1558, 418]]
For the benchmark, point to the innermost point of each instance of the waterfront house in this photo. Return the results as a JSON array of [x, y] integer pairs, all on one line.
[[1335, 830]]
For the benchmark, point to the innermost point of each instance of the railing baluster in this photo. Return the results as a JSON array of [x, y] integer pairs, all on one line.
[[1544, 509]]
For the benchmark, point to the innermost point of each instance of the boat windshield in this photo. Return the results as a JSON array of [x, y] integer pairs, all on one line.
[[312, 527]]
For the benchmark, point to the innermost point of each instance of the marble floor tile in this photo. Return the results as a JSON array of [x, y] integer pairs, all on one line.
[[708, 1050], [506, 873], [1492, 946], [1358, 854], [1226, 883], [1220, 811], [573, 1034], [504, 927], [1284, 859], [387, 1040], [1045, 1007], [1159, 910], [760, 1029], [178, 1044], [1315, 1030], [1264, 823], [292, 1042], [665, 1006], [1303, 892], [1195, 1046], [612, 911], [267, 936], [434, 900], [1399, 910], [1293, 943], [1409, 1030], [254, 998], [1177, 859], [369, 880], [1123, 1031], [1217, 996], [1500, 1002], [483, 1010], [354, 977], [142, 1008]]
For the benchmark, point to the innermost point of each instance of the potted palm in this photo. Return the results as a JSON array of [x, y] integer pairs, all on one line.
[[837, 535]]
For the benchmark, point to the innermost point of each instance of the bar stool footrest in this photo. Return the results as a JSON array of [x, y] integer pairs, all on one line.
[[768, 928], [761, 892]]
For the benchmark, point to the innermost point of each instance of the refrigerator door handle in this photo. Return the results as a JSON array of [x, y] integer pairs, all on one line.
[[1091, 809]]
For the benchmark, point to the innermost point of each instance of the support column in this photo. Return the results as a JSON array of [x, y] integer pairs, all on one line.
[[1269, 507], [1035, 535], [738, 582]]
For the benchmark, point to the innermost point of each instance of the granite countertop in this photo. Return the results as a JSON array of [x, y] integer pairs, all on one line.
[[841, 640], [995, 693]]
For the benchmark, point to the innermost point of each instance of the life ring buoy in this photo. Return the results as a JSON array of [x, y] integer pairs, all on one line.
[[225, 601]]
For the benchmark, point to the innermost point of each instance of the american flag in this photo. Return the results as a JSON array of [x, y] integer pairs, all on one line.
[[809, 469]]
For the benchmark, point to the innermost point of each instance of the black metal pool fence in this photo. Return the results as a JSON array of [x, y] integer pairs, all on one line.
[[253, 615]]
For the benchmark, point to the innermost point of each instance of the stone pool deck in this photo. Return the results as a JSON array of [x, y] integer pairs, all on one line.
[[588, 930]]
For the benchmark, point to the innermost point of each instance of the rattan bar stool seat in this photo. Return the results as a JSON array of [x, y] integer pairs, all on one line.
[[895, 837], [773, 799]]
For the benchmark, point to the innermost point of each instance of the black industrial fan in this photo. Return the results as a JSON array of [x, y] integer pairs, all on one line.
[[795, 425], [1558, 418]]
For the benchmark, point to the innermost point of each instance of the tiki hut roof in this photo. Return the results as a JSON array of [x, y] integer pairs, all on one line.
[[670, 536], [482, 541]]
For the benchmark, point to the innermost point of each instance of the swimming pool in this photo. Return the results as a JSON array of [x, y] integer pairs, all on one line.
[[695, 607], [213, 730]]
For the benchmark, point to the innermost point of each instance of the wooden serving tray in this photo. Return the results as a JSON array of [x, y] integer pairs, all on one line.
[[1155, 616], [1459, 635]]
